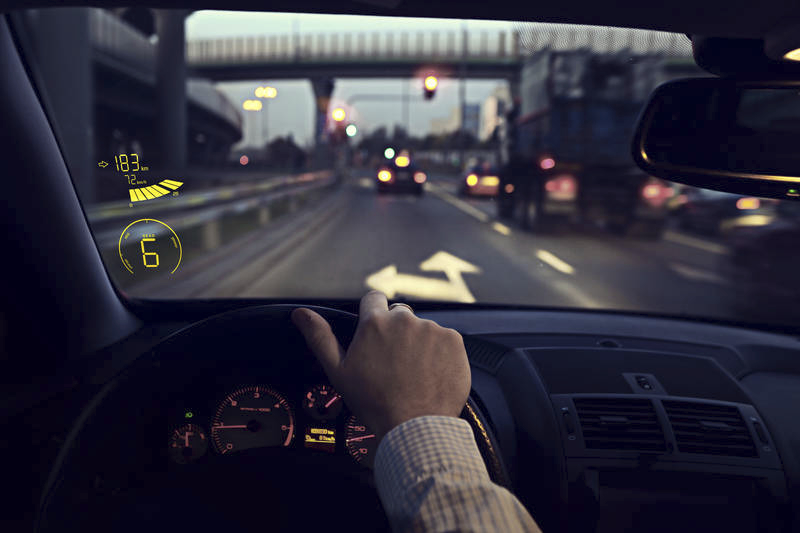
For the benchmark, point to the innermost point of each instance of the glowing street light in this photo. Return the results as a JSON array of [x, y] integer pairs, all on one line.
[[351, 130], [388, 153], [338, 114], [266, 92], [252, 105]]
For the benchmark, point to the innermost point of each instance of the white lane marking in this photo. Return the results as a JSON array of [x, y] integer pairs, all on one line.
[[572, 292], [501, 228], [460, 204], [391, 282], [696, 274], [562, 266], [694, 242]]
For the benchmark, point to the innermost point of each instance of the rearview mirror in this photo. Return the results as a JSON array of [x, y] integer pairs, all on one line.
[[734, 136]]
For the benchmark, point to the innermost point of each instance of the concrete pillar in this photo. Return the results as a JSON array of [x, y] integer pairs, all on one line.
[[323, 89], [171, 117], [63, 51]]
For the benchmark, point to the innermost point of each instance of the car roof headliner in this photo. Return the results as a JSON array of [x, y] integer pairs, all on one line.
[[718, 18]]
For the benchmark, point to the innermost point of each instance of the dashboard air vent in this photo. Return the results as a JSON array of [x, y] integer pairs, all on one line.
[[709, 429], [619, 424]]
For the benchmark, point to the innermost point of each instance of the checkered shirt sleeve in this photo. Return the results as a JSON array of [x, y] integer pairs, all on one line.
[[431, 477]]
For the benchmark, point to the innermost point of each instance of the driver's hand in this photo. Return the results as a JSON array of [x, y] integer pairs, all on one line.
[[398, 366]]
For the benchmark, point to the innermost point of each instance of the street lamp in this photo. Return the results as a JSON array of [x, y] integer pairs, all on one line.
[[252, 105], [266, 92]]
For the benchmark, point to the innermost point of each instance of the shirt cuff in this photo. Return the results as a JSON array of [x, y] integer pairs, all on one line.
[[424, 447]]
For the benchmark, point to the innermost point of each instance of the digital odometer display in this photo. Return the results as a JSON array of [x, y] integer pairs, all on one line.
[[252, 417]]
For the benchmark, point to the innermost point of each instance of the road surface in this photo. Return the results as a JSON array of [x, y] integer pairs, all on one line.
[[442, 247]]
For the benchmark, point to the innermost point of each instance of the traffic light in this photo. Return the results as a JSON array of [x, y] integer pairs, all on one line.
[[430, 84]]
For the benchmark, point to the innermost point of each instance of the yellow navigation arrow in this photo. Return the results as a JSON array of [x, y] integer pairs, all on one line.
[[391, 282]]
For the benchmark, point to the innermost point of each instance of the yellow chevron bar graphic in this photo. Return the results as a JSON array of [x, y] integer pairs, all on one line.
[[154, 191]]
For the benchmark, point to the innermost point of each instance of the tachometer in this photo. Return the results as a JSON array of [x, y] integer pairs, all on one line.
[[252, 417]]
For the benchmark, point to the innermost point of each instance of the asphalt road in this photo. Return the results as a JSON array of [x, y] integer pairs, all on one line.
[[446, 248], [442, 247]]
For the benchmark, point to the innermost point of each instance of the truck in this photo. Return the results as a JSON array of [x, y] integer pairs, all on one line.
[[566, 143]]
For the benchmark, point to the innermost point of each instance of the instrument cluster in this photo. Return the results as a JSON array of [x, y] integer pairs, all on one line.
[[314, 418]]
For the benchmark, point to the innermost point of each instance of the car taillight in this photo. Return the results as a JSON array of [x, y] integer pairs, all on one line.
[[656, 194], [472, 180], [420, 177], [384, 175], [562, 187], [546, 163]]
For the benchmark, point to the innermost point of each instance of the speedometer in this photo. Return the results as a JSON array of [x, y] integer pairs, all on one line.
[[252, 417]]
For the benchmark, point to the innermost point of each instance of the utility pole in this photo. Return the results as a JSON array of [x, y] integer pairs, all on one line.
[[462, 93]]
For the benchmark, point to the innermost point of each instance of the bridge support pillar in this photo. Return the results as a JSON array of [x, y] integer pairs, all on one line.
[[64, 56], [323, 89], [171, 118]]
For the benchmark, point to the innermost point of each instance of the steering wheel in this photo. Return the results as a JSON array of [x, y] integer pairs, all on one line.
[[113, 434]]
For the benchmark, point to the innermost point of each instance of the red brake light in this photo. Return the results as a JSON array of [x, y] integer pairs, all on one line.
[[420, 177], [547, 163], [656, 194], [562, 187]]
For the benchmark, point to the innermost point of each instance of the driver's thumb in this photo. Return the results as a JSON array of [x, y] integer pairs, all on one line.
[[320, 339]]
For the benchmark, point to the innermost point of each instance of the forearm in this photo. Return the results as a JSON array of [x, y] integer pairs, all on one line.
[[431, 477]]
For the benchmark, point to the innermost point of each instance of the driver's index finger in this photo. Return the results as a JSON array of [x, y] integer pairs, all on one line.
[[373, 302]]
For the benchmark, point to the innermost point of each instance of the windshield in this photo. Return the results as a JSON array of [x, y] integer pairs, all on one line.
[[288, 156]]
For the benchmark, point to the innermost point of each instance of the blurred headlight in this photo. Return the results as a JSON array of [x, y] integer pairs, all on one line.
[[402, 161], [384, 175], [490, 181], [748, 203], [472, 180]]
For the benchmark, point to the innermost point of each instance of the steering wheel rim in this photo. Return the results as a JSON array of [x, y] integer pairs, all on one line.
[[270, 317]]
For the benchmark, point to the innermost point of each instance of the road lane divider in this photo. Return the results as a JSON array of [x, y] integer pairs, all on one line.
[[694, 242], [459, 204], [697, 274], [562, 266], [501, 228]]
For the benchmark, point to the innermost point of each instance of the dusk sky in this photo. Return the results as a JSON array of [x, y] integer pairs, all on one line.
[[292, 111]]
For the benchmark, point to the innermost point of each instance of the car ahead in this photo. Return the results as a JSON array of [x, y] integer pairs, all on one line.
[[763, 259], [480, 180], [717, 213], [400, 174]]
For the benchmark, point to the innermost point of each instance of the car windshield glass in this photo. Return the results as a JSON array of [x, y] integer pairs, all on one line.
[[296, 156]]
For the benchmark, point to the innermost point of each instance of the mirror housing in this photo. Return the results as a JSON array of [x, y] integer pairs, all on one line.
[[729, 135]]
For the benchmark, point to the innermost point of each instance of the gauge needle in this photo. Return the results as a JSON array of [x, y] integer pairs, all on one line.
[[230, 427], [356, 439], [336, 397], [186, 437]]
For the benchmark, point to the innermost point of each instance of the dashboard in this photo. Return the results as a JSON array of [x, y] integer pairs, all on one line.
[[596, 422], [312, 417]]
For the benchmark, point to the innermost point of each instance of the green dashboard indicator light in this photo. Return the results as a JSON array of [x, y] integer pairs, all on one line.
[[189, 414]]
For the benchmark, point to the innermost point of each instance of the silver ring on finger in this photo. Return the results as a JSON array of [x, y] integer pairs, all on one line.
[[393, 306]]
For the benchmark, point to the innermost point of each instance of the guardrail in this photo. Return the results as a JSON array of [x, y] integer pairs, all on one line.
[[193, 209]]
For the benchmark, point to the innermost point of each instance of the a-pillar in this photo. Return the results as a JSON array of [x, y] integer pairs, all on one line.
[[64, 57], [171, 118]]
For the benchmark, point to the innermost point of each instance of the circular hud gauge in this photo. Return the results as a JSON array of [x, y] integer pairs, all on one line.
[[149, 245]]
